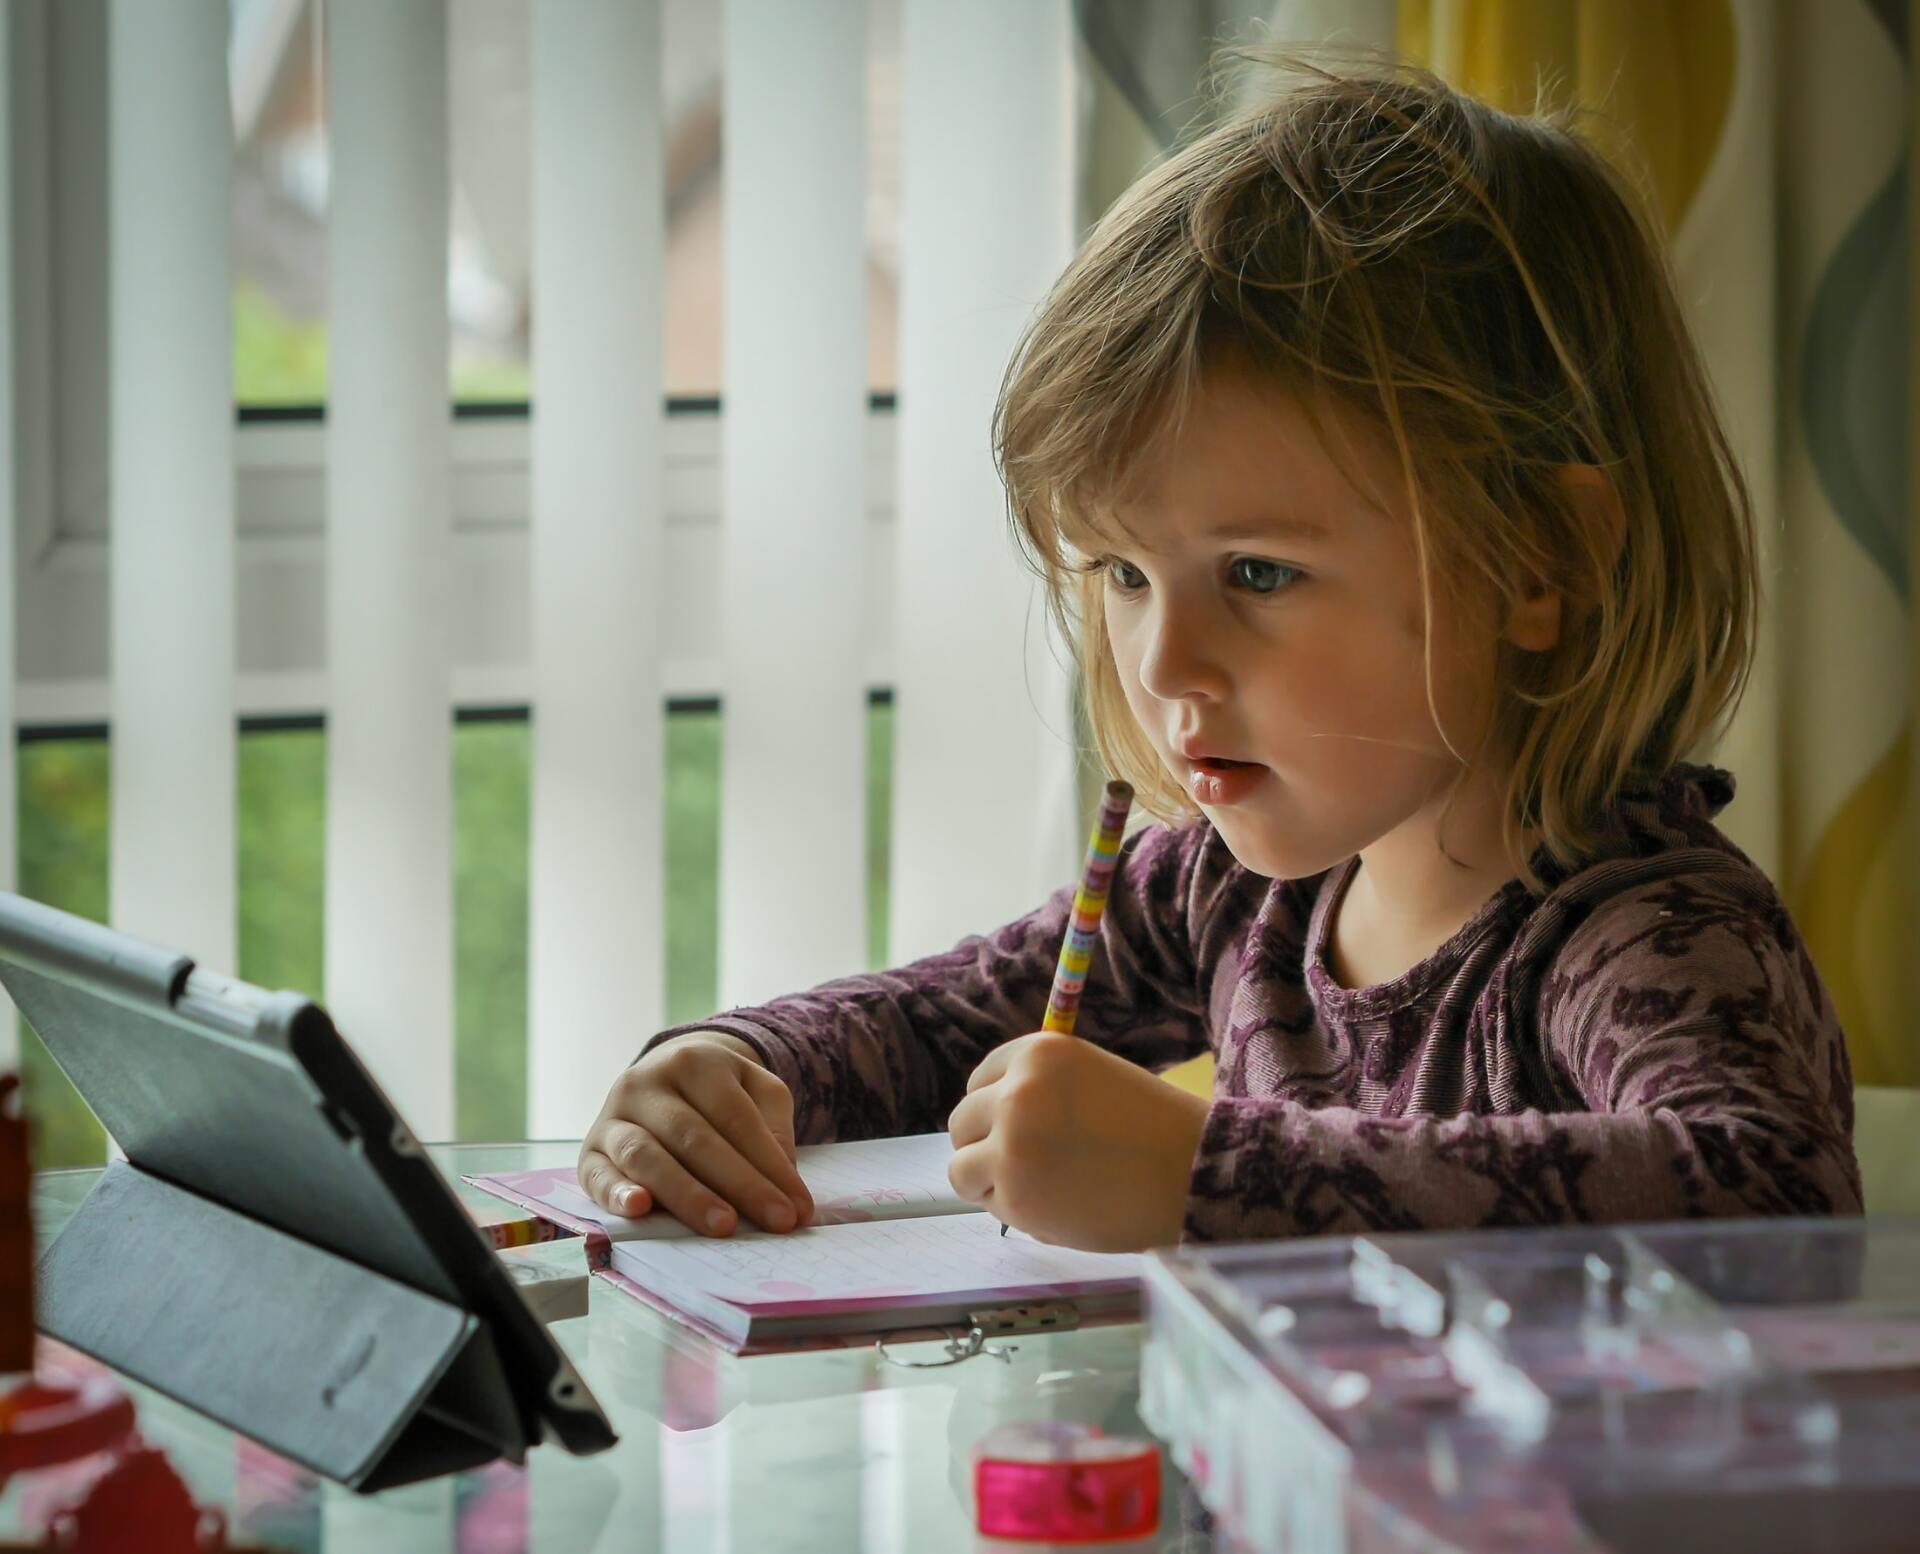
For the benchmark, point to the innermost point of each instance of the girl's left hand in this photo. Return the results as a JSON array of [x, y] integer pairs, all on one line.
[[1075, 1146]]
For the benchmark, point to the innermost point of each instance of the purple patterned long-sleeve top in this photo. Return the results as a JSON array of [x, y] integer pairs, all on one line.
[[1647, 1039]]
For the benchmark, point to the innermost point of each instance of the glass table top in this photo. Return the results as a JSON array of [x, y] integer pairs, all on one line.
[[828, 1450]]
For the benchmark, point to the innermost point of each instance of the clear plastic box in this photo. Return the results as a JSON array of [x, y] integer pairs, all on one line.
[[1746, 1384]]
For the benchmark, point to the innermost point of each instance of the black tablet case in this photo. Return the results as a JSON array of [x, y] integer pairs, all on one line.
[[276, 1251]]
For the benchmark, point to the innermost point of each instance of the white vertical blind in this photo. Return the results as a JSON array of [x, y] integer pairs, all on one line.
[[982, 720], [792, 827], [170, 430], [596, 976], [389, 911], [9, 527]]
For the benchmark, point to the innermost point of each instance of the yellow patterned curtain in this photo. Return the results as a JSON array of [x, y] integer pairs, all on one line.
[[1774, 140], [1662, 70], [1775, 143]]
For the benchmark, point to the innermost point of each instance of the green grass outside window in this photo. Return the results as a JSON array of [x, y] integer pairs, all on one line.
[[63, 786]]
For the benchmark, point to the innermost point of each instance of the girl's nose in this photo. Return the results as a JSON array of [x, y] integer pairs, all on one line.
[[1181, 659]]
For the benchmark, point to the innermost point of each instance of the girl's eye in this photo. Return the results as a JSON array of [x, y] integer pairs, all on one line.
[[1262, 577], [1248, 572]]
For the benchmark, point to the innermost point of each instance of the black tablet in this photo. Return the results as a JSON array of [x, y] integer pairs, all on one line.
[[276, 1250]]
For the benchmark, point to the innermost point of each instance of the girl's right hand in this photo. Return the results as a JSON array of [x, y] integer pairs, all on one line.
[[699, 1128]]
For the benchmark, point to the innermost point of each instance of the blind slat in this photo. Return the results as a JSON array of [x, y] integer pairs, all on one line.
[[170, 431], [983, 823], [793, 819], [596, 973], [389, 900]]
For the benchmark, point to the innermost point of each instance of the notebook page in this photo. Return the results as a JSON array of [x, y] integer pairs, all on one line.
[[883, 1262], [865, 1179]]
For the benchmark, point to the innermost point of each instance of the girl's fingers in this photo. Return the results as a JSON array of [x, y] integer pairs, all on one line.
[[639, 1155], [704, 1145], [770, 1093], [603, 1181], [739, 1158], [971, 1120], [970, 1173], [759, 1120], [994, 1064]]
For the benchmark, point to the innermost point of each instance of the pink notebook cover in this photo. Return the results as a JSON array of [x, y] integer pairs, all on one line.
[[912, 1189]]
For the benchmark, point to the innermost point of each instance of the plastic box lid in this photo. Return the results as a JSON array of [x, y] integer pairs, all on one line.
[[1750, 1384]]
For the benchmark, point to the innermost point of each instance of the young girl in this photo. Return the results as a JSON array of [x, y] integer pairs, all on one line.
[[1370, 465]]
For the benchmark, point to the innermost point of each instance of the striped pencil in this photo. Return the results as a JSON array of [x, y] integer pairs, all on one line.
[[522, 1232], [1089, 904]]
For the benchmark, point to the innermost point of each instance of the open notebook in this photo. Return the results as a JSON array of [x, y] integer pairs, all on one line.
[[890, 1248]]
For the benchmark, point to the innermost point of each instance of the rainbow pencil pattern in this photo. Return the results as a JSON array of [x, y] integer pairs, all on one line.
[[1089, 902], [522, 1232]]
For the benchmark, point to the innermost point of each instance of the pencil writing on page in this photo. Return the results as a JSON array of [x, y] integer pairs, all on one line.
[[1089, 903]]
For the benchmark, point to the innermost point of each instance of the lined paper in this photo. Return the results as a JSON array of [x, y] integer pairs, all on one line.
[[892, 1246], [855, 1182], [884, 1260]]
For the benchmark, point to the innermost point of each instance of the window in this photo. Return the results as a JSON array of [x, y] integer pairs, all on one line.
[[278, 82], [276, 74]]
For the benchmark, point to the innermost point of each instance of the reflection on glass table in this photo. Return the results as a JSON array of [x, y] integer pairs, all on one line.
[[829, 1450]]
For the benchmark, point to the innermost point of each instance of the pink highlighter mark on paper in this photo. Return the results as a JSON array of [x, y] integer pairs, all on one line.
[[541, 1183], [793, 1289], [856, 1208]]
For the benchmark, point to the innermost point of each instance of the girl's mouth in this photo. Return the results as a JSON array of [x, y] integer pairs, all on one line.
[[1216, 780]]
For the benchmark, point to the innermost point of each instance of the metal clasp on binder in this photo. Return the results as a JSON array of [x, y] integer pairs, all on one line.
[[993, 1322]]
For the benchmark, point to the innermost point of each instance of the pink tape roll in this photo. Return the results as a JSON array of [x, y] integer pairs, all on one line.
[[1058, 1481]]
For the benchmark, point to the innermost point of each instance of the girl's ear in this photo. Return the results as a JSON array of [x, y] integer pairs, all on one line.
[[1534, 621], [1597, 500]]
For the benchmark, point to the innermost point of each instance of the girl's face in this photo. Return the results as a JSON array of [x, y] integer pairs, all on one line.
[[1266, 617]]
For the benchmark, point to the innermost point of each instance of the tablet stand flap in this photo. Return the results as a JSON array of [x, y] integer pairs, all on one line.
[[360, 1377]]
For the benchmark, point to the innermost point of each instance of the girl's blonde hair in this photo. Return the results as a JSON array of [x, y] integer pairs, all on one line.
[[1493, 295]]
